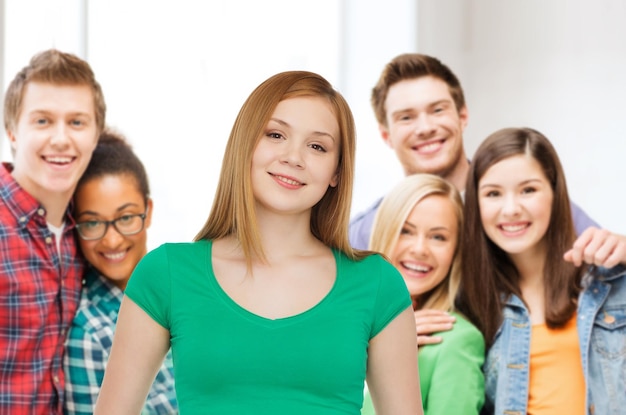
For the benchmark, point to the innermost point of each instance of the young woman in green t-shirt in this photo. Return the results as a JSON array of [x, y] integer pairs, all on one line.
[[270, 311]]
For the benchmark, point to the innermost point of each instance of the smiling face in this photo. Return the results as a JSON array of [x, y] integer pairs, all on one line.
[[295, 160], [53, 139], [515, 202], [425, 248], [107, 198], [424, 127]]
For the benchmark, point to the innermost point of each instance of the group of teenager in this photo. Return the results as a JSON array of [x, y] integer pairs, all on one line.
[[519, 297], [473, 286]]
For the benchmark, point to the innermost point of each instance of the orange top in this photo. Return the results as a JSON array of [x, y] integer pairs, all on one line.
[[557, 383]]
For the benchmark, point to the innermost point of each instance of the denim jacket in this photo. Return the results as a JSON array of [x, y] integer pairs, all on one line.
[[601, 325]]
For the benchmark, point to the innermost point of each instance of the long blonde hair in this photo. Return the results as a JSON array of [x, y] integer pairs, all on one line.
[[392, 215], [233, 210]]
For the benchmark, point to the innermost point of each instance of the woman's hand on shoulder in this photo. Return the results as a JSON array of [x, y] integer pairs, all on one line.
[[598, 247], [429, 321]]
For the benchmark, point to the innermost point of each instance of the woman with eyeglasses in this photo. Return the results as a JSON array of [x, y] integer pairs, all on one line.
[[112, 209]]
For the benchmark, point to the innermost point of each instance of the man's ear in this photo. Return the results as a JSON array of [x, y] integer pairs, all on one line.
[[11, 137], [384, 133], [464, 117]]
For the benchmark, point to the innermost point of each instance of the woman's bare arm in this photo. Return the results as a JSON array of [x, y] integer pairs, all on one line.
[[392, 376], [139, 346]]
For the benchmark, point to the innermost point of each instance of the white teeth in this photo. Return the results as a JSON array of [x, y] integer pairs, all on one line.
[[428, 147], [513, 228], [418, 268], [288, 181], [59, 159], [115, 256]]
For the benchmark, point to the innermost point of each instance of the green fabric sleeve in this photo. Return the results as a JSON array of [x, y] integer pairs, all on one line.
[[457, 385], [149, 286], [392, 297], [451, 377]]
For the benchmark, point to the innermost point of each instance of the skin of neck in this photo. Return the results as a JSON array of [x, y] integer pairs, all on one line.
[[530, 266], [458, 176], [55, 206]]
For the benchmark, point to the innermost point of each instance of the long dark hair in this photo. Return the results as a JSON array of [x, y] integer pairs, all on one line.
[[490, 276]]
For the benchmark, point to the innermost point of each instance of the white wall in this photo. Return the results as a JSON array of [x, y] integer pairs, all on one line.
[[175, 73], [373, 35], [28, 26], [557, 66]]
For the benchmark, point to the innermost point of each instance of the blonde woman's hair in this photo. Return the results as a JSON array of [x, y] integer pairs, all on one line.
[[233, 211], [391, 217]]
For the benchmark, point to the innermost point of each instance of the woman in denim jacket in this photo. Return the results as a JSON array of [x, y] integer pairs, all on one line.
[[555, 328]]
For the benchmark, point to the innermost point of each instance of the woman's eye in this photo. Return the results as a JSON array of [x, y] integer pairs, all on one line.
[[125, 219], [277, 136], [90, 224], [318, 147]]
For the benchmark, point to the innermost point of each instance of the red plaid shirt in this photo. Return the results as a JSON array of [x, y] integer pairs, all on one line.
[[39, 294]]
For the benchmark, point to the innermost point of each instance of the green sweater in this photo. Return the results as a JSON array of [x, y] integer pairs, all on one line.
[[451, 377], [229, 361]]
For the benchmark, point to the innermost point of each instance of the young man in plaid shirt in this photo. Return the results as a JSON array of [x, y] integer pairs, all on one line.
[[54, 111]]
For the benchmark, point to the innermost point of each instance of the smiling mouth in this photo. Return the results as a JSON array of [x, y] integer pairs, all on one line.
[[416, 268], [59, 160], [514, 228], [287, 180], [115, 256], [429, 147]]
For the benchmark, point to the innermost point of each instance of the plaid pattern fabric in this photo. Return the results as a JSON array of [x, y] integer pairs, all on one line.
[[87, 351], [39, 293]]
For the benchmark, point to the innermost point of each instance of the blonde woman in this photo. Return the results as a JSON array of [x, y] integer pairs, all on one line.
[[418, 228]]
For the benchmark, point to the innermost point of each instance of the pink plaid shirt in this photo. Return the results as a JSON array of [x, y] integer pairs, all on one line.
[[39, 294]]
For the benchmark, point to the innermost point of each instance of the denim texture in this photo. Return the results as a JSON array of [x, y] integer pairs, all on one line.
[[601, 325]]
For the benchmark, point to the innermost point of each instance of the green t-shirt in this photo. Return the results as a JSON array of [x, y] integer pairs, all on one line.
[[228, 360], [451, 377]]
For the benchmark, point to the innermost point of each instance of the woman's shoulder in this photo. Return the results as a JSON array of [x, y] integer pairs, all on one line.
[[463, 343], [373, 259], [463, 329], [608, 274], [183, 246], [172, 260], [373, 270], [599, 277], [174, 250]]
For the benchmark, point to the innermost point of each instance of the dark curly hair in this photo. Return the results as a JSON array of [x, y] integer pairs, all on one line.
[[114, 156]]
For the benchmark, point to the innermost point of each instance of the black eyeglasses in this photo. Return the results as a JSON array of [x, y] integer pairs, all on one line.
[[126, 225]]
